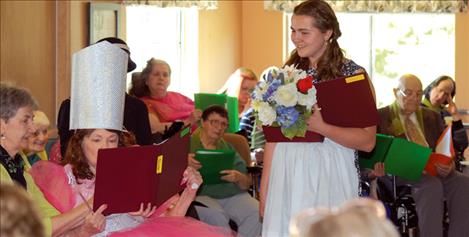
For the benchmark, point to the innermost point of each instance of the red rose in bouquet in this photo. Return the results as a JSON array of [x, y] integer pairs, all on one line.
[[305, 84]]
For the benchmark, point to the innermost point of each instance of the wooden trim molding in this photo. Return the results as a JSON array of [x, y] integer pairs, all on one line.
[[63, 54]]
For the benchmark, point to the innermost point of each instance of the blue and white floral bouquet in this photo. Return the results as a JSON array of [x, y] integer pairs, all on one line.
[[285, 99]]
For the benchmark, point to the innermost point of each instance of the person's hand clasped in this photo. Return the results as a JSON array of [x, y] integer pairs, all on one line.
[[95, 222], [231, 176], [144, 212], [444, 170], [315, 121], [192, 162]]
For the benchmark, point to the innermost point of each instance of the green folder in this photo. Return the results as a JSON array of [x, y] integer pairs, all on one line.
[[204, 100], [232, 107], [214, 161], [401, 157], [369, 159]]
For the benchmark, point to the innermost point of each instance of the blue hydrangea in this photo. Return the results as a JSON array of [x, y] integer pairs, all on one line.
[[287, 116], [270, 90]]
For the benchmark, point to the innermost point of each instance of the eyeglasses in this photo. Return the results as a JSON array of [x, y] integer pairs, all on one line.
[[410, 93], [218, 123]]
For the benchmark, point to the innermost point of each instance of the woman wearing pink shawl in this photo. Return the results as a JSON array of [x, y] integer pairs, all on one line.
[[69, 186], [164, 107]]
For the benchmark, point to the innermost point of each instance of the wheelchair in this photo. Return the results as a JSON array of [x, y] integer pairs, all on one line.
[[401, 207]]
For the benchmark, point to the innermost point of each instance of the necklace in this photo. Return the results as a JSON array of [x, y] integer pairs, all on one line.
[[13, 165]]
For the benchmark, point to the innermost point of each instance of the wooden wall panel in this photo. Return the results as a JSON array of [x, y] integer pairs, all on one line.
[[63, 54], [28, 49]]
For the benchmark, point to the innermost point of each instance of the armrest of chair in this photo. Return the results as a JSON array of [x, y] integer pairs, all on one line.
[[255, 169]]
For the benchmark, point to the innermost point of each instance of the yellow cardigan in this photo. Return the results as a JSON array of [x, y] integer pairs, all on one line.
[[47, 211]]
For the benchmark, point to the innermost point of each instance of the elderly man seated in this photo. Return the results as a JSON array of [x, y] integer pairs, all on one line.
[[228, 200], [406, 119]]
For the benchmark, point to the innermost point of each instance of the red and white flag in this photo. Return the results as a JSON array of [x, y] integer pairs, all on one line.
[[444, 144]]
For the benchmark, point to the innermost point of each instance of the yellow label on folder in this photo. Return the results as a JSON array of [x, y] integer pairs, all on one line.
[[159, 164], [355, 78]]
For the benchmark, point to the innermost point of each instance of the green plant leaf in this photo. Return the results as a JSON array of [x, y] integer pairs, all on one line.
[[298, 129]]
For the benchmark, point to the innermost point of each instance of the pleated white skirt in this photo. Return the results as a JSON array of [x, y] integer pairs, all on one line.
[[305, 175]]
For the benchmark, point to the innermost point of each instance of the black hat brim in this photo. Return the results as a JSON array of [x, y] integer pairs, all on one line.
[[113, 40], [131, 65]]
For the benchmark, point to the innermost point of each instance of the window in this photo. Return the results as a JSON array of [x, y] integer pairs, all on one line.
[[170, 34], [390, 45]]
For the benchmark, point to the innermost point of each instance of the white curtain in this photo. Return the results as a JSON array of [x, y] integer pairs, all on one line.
[[371, 6], [201, 5]]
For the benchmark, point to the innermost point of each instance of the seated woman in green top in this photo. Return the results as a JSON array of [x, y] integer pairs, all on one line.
[[228, 200], [16, 116]]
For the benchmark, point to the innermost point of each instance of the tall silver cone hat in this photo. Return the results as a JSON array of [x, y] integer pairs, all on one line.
[[98, 87]]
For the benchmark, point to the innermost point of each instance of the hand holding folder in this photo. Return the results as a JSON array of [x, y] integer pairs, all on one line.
[[213, 162], [436, 158], [129, 176], [401, 157], [345, 102]]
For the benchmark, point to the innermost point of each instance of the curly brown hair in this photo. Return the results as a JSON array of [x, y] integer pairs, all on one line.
[[75, 156], [139, 86], [331, 62]]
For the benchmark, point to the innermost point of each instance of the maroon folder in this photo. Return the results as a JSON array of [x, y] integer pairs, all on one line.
[[345, 102], [274, 134], [128, 176]]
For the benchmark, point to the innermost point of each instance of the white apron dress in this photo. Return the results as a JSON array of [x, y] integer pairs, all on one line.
[[305, 175]]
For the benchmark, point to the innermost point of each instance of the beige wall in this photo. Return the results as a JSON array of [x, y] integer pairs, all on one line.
[[238, 33], [220, 40], [78, 25], [262, 42]]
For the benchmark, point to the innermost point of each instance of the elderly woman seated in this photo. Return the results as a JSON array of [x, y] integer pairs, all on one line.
[[438, 96], [228, 200], [16, 117], [35, 145], [240, 84], [164, 107]]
